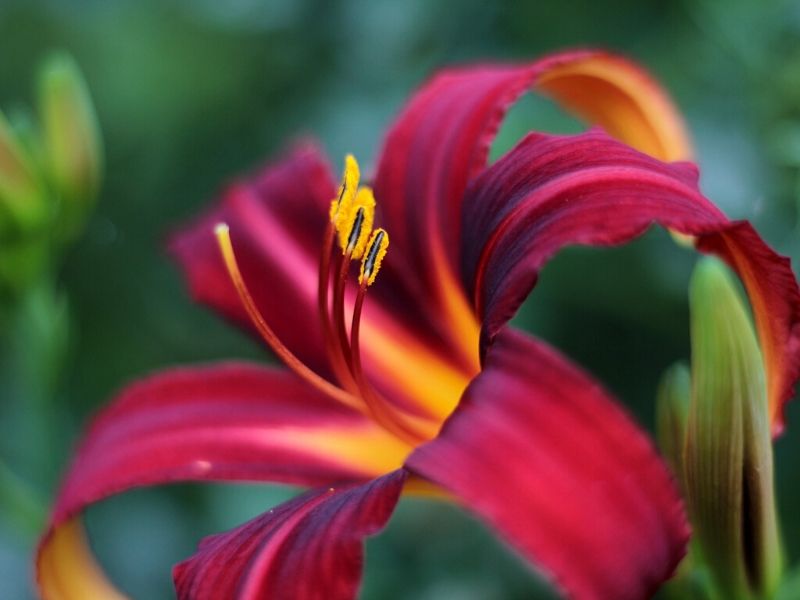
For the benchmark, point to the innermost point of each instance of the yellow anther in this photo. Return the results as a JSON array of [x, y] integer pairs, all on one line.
[[340, 206], [355, 227], [376, 250]]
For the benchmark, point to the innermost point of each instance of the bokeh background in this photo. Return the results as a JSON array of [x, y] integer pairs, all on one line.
[[191, 92]]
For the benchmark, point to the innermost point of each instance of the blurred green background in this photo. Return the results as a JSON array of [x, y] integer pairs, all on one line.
[[190, 93]]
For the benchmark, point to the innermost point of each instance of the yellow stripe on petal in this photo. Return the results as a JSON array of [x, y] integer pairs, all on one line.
[[418, 487], [67, 569], [622, 98], [368, 450], [464, 325], [425, 376]]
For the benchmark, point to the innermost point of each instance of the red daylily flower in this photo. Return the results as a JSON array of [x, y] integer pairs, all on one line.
[[430, 390]]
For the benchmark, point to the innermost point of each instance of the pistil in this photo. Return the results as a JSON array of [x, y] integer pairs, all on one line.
[[222, 233]]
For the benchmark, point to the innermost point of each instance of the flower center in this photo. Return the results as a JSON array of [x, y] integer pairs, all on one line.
[[350, 227]]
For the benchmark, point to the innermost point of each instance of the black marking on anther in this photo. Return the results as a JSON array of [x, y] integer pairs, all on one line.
[[358, 222], [372, 254], [341, 194]]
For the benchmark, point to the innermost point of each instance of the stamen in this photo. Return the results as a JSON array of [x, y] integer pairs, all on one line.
[[337, 361], [355, 231], [355, 227], [351, 217], [338, 309], [388, 416], [371, 264], [222, 232]]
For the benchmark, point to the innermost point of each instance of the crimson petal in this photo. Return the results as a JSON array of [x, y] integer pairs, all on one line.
[[308, 548], [551, 191], [540, 451], [227, 422]]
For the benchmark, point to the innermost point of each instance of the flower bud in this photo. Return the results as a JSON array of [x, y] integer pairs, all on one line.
[[672, 411], [728, 456], [22, 201], [72, 145]]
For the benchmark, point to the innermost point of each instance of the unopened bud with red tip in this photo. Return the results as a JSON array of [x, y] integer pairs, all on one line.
[[72, 145], [728, 464]]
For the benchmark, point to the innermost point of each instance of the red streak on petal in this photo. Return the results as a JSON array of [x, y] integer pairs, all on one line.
[[308, 548]]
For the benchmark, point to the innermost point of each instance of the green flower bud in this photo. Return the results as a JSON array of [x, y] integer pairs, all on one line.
[[672, 411], [72, 145], [728, 455], [22, 200]]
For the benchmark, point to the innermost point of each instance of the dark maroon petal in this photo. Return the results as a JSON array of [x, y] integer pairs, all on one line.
[[441, 140], [308, 548], [227, 422], [545, 456], [277, 220], [552, 191], [437, 144]]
